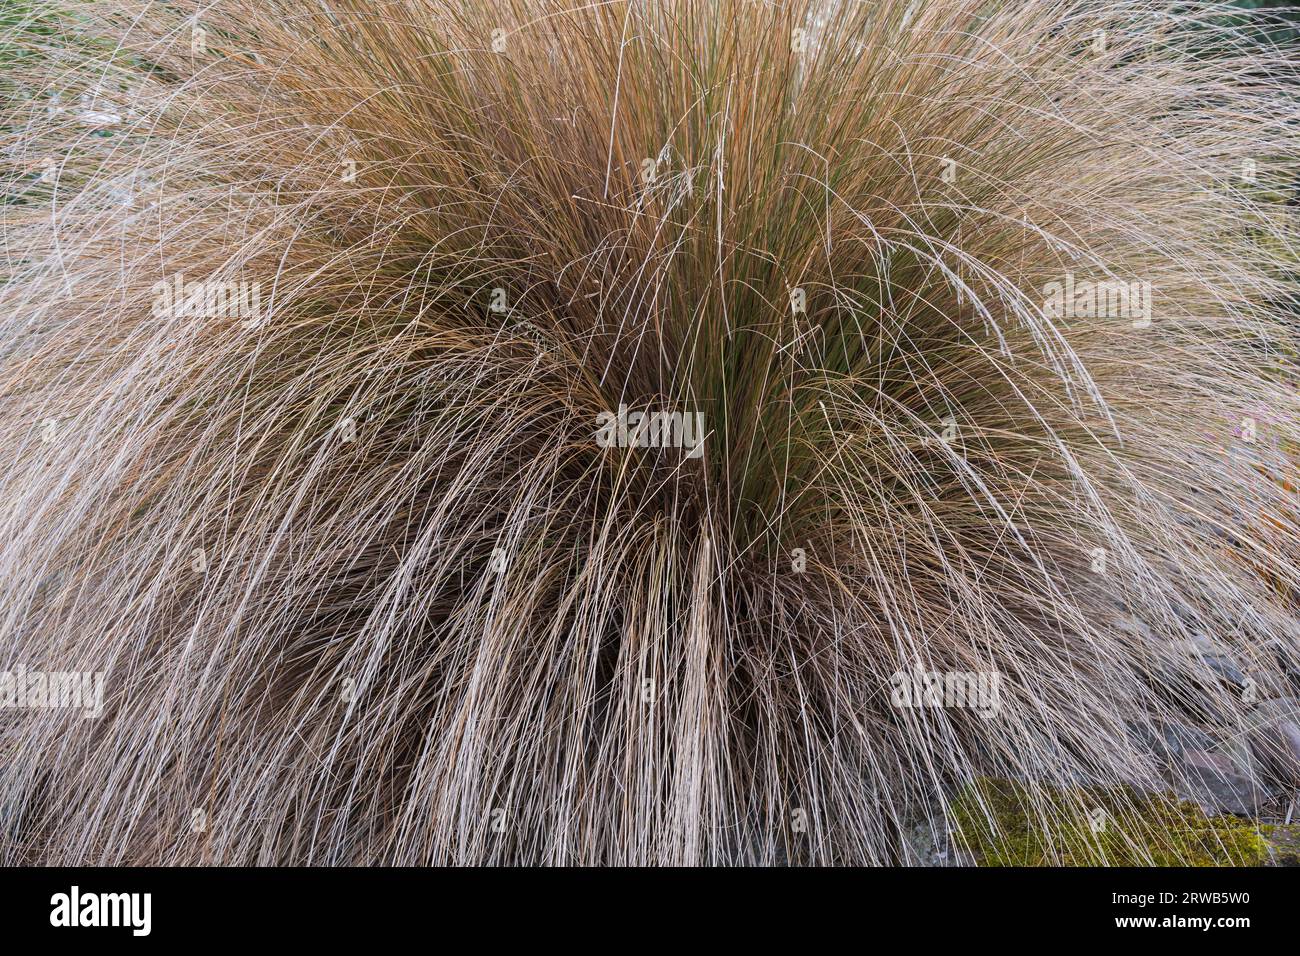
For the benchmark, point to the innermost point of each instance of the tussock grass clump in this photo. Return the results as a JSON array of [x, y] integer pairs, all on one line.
[[363, 583]]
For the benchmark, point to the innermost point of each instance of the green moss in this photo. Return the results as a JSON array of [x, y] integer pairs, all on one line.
[[1284, 844], [1003, 823]]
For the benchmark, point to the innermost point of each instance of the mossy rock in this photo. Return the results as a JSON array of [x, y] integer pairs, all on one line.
[[1004, 823], [1284, 844]]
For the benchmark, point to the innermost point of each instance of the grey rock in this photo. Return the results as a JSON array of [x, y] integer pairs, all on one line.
[[1167, 741], [1128, 624], [1217, 659], [1145, 737], [1277, 709], [1237, 749], [928, 846], [1179, 738], [1287, 655], [1283, 755], [1274, 738], [1184, 611], [1222, 780]]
